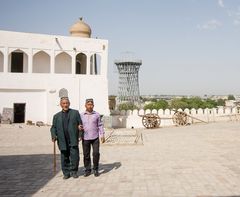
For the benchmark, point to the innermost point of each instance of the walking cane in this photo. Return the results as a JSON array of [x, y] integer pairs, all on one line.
[[54, 157]]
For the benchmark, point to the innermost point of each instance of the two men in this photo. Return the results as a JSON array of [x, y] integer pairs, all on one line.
[[67, 129]]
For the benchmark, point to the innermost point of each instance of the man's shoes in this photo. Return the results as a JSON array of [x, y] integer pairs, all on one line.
[[74, 175], [87, 173], [96, 173], [66, 176]]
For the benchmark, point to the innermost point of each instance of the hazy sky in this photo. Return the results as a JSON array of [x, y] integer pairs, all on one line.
[[186, 46]]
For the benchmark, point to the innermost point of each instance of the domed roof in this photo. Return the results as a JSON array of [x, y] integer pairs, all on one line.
[[80, 29]]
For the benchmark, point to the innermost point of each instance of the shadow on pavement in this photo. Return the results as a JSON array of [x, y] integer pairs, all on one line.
[[105, 168], [23, 175]]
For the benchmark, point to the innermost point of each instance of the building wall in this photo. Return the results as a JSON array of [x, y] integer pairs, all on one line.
[[35, 102], [78, 90], [49, 66]]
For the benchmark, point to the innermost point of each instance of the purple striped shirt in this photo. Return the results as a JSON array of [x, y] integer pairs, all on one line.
[[92, 125]]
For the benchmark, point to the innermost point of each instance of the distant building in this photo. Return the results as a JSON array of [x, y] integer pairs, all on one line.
[[37, 69], [230, 103]]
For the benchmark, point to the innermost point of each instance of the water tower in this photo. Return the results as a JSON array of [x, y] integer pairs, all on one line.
[[128, 88]]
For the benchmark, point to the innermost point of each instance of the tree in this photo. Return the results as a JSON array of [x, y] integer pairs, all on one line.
[[127, 106], [178, 103], [194, 102], [161, 104], [220, 102], [231, 97], [209, 103], [154, 100]]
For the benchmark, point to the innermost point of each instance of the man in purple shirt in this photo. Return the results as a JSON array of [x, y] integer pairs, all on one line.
[[92, 131]]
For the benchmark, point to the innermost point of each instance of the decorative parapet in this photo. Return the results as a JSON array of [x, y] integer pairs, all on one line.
[[200, 111], [133, 118]]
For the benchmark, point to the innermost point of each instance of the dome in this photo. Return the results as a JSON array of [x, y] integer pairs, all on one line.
[[80, 29]]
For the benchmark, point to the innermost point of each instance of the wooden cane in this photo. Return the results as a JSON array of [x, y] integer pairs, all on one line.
[[54, 157]]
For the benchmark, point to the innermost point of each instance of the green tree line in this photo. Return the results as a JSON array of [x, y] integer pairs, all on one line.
[[183, 103]]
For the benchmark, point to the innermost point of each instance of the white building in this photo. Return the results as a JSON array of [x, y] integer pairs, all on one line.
[[36, 69]]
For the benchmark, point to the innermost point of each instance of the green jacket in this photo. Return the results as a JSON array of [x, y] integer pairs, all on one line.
[[57, 130]]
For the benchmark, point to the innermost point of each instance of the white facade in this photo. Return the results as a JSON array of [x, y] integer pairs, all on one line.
[[35, 67]]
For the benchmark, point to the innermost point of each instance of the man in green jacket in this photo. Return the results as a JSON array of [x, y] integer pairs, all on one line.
[[65, 129]]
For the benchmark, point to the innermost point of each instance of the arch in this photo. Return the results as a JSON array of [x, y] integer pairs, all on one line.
[[95, 64], [35, 51], [18, 61], [59, 52], [81, 63], [63, 63], [1, 61], [41, 62], [10, 50]]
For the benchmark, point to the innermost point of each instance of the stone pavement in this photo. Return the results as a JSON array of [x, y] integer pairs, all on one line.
[[200, 160]]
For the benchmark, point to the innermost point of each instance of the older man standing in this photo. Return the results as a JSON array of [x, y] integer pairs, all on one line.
[[93, 130], [65, 129]]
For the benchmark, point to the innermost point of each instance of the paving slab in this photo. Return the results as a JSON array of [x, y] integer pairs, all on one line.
[[200, 160]]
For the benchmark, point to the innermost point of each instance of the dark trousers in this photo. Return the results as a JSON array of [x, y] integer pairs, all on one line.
[[86, 144], [70, 160]]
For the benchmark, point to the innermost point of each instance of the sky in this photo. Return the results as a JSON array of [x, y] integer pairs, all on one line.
[[187, 47]]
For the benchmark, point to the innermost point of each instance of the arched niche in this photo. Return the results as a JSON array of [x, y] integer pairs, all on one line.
[[63, 63], [81, 63], [41, 62]]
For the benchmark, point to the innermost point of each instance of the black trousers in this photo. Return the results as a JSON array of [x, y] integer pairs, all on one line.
[[70, 160], [86, 144]]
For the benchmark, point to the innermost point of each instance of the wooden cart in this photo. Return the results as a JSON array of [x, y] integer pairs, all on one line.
[[179, 118]]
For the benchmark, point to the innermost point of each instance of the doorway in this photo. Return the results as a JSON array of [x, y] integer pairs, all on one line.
[[19, 112], [17, 62]]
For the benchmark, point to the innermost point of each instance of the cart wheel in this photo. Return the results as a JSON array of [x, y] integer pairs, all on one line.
[[180, 118], [150, 121]]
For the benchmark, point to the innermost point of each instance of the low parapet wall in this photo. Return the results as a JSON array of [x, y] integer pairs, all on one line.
[[133, 118]]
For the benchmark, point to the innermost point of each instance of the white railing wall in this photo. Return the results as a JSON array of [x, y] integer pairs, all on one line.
[[133, 118]]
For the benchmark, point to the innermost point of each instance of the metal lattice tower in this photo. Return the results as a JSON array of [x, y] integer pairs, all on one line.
[[128, 88]]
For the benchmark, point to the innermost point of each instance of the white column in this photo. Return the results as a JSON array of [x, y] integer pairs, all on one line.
[[30, 61], [93, 64], [52, 62], [5, 60], [88, 64], [73, 63]]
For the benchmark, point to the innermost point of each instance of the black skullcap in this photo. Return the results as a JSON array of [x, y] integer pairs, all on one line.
[[64, 98], [89, 100]]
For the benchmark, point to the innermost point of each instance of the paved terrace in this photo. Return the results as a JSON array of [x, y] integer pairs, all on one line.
[[200, 160]]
